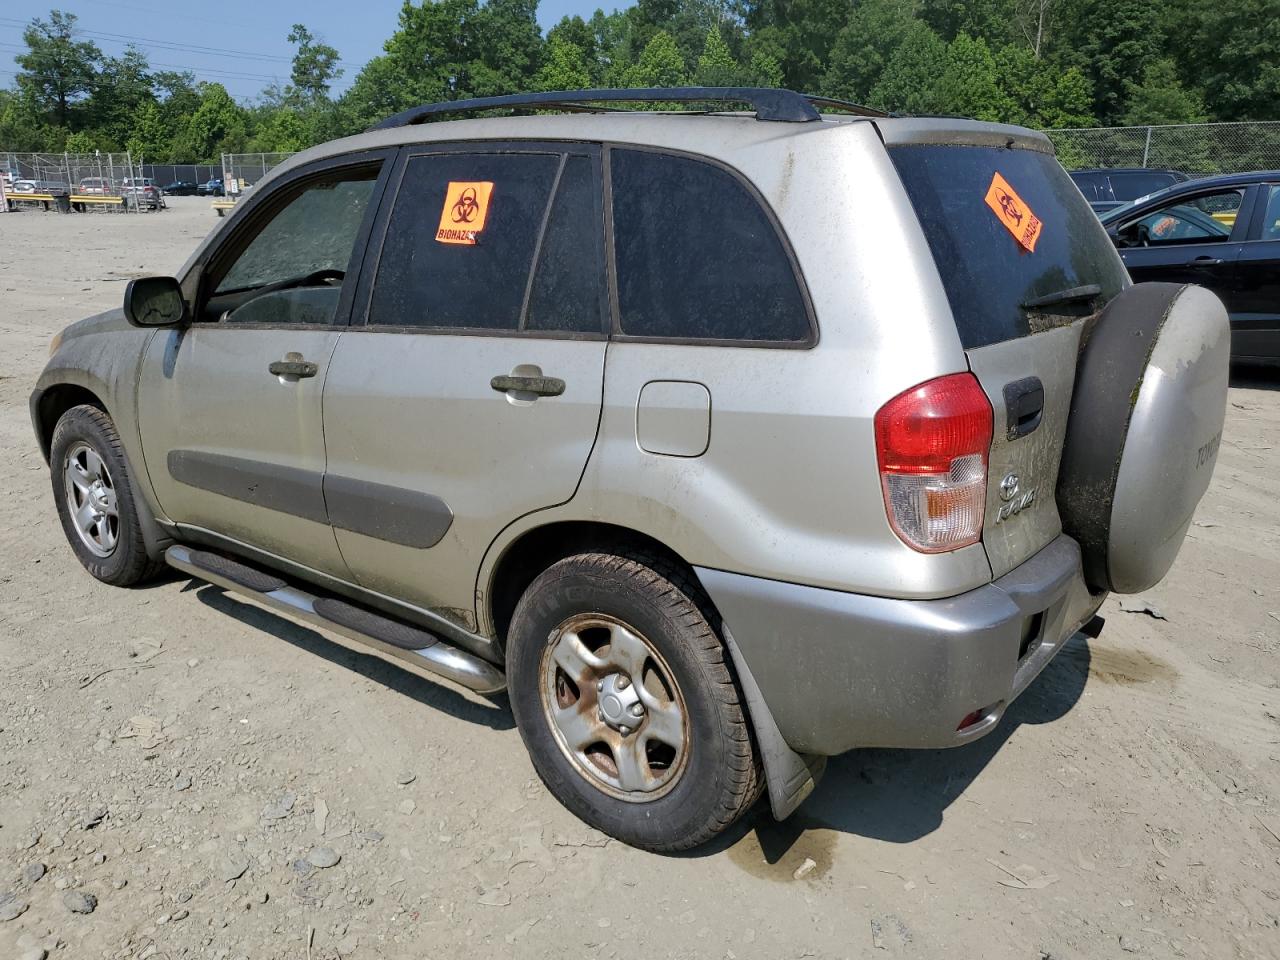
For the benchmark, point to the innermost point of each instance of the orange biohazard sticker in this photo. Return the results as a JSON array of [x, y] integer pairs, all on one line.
[[1010, 210], [466, 206]]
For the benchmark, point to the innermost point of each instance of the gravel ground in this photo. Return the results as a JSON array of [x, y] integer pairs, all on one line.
[[186, 775]]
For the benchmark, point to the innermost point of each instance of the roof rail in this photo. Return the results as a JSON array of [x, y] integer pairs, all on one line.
[[769, 104]]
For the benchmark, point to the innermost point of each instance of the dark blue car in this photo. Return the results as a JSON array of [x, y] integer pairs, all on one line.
[[1219, 232]]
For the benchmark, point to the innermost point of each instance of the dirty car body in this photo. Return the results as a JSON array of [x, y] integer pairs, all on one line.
[[423, 378]]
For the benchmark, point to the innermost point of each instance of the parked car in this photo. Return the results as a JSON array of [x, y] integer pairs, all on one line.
[[211, 188], [53, 187], [97, 187], [1111, 187], [1222, 233], [182, 188], [919, 486], [142, 192]]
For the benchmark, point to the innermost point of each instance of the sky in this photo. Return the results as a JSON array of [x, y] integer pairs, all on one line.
[[238, 43]]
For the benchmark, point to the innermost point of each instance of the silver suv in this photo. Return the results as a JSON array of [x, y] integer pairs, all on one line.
[[722, 442]]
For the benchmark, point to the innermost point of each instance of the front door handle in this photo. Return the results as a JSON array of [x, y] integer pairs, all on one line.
[[1206, 262], [538, 386], [293, 366]]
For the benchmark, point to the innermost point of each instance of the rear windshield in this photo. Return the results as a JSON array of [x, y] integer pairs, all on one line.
[[989, 269], [1131, 186]]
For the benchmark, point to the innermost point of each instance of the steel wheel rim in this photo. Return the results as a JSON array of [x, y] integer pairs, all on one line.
[[90, 495], [582, 666]]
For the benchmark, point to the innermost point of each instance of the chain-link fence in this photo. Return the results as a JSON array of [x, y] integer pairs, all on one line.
[[67, 181], [242, 170], [1200, 148]]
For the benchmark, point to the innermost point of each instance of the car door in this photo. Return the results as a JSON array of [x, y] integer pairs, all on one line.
[[467, 392], [230, 406], [1188, 238], [1255, 319]]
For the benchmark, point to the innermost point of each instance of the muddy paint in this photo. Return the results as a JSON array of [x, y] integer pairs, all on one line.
[[774, 851]]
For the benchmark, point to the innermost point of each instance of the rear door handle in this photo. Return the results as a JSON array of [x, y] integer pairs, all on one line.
[[1024, 406], [1206, 262], [539, 386], [293, 366]]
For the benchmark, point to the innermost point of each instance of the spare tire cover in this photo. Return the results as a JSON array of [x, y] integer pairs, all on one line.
[[1146, 420]]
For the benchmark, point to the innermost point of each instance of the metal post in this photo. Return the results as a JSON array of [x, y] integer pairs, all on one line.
[[1146, 150]]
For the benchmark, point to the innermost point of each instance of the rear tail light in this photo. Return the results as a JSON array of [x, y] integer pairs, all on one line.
[[932, 444]]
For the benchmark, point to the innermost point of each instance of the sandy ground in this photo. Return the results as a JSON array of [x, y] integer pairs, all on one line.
[[1128, 805]]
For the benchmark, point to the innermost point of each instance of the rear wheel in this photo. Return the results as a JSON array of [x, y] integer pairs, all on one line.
[[94, 494], [624, 697]]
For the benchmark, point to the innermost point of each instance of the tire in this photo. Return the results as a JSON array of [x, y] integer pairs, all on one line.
[[116, 553], [670, 796]]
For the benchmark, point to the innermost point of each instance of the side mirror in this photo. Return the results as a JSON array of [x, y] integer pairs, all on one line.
[[154, 302]]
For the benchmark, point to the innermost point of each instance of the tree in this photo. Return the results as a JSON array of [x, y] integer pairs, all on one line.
[[716, 66], [1044, 94], [1161, 98], [1107, 39], [218, 125], [865, 45], [123, 88], [564, 67], [80, 142], [1229, 50], [969, 83], [57, 70], [908, 83], [660, 65], [315, 66], [151, 137]]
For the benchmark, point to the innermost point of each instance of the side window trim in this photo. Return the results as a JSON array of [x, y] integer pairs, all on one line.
[[770, 215], [260, 208], [363, 293], [537, 244]]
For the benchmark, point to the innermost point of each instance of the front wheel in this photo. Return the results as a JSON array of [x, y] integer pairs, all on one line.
[[625, 699], [94, 494]]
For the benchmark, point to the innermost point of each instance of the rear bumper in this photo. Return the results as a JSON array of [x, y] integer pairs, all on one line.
[[842, 670]]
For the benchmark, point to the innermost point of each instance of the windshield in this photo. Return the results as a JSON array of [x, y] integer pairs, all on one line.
[[1007, 227]]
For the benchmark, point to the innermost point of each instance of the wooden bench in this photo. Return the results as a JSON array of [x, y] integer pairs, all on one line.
[[222, 205], [97, 198]]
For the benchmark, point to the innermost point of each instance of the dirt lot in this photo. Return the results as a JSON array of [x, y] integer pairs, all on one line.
[[177, 755]]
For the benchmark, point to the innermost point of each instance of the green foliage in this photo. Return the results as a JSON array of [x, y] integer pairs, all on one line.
[[660, 64], [564, 68], [716, 66], [1161, 98], [57, 71], [1043, 63], [80, 142], [315, 66]]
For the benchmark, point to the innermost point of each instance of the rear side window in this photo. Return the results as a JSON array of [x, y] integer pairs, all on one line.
[[697, 256], [1131, 186], [988, 274], [467, 231]]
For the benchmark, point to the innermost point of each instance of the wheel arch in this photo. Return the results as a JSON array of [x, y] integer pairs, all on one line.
[[532, 551], [49, 403]]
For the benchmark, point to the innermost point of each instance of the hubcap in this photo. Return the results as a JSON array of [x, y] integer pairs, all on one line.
[[91, 499], [614, 707]]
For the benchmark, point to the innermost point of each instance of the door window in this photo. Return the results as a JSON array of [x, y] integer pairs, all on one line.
[[1271, 214], [468, 230], [697, 256], [1205, 219], [294, 267]]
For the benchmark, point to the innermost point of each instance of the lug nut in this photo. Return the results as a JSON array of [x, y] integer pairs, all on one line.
[[624, 730], [623, 682], [599, 685], [637, 709]]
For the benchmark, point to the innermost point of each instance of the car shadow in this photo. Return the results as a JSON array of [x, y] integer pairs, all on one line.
[[1255, 377], [495, 713], [897, 796]]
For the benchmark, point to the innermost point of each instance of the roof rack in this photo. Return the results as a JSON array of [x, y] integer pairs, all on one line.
[[769, 104]]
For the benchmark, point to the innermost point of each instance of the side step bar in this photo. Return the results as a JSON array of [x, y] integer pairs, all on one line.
[[401, 642]]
